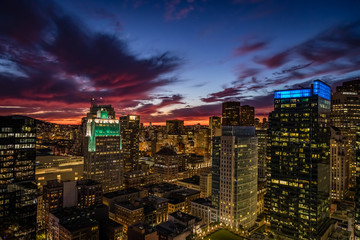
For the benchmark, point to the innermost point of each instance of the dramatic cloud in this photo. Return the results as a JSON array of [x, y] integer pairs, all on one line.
[[55, 59], [342, 41], [328, 56], [175, 10], [150, 108], [249, 47]]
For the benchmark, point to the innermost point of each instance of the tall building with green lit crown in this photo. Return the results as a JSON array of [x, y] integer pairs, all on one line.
[[298, 194], [102, 146]]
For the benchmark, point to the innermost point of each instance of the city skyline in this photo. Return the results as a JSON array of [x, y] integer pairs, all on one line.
[[169, 60]]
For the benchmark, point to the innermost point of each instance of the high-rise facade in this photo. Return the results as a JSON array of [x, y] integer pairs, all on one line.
[[357, 192], [345, 115], [261, 134], [18, 192], [215, 170], [214, 125], [231, 114], [175, 127], [238, 176], [262, 151], [299, 138], [247, 115], [102, 146], [339, 165], [130, 129]]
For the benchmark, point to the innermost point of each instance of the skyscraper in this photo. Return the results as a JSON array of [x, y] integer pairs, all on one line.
[[215, 170], [231, 114], [129, 129], [339, 165], [214, 125], [247, 115], [238, 176], [261, 134], [175, 127], [102, 146], [18, 192], [357, 192], [345, 115], [299, 186]]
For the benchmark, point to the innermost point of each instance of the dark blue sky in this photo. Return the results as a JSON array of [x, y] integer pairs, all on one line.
[[169, 59]]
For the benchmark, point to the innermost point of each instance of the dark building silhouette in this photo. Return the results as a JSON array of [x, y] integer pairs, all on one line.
[[18, 191], [231, 114], [299, 136], [247, 115]]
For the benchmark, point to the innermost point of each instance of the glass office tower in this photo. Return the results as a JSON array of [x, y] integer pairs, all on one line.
[[235, 182], [18, 191], [299, 138]]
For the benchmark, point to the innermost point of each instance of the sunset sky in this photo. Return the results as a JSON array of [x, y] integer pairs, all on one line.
[[169, 59]]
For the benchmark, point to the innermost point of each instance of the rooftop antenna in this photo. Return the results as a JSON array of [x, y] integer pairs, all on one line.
[[93, 101]]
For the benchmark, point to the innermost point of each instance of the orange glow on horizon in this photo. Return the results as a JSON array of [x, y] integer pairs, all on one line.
[[187, 122]]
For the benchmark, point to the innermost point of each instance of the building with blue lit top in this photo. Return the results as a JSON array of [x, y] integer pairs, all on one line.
[[102, 146], [298, 196]]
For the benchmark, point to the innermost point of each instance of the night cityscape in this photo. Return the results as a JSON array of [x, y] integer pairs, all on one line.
[[179, 120]]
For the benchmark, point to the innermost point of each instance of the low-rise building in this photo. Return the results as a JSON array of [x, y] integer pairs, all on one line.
[[186, 195], [130, 194], [176, 205], [67, 223], [136, 179], [128, 213], [142, 231], [172, 231], [179, 226], [192, 183], [203, 209], [80, 229], [161, 189]]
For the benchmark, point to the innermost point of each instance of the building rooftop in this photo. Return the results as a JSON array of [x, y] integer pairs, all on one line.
[[183, 193], [175, 201], [167, 152], [134, 174], [183, 217], [121, 192], [161, 187], [155, 199], [79, 224], [340, 234], [171, 229], [203, 201], [195, 180], [143, 228], [130, 205], [88, 182]]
